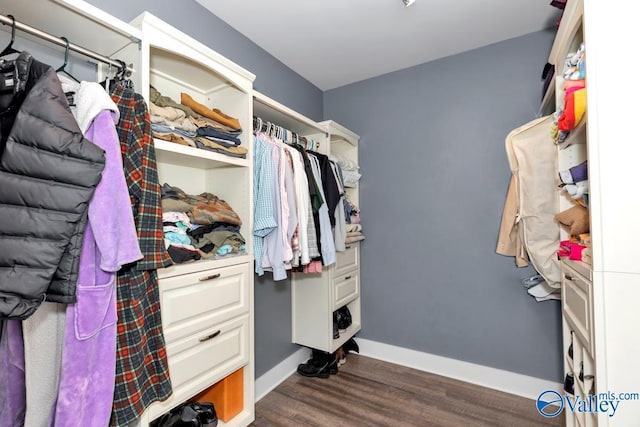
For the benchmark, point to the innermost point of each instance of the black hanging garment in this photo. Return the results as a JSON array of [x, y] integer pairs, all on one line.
[[48, 174]]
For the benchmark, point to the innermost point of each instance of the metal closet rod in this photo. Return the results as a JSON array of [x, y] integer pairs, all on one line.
[[57, 40]]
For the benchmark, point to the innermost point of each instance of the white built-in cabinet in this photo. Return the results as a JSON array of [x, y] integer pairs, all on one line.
[[207, 305], [316, 296], [601, 320]]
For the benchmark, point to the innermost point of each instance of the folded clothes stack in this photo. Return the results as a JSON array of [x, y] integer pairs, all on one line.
[[193, 124], [349, 169], [354, 233], [199, 226]]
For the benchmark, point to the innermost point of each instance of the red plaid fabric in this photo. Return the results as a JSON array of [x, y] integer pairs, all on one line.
[[142, 373]]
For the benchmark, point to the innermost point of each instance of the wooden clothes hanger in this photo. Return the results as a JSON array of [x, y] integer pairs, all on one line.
[[8, 50]]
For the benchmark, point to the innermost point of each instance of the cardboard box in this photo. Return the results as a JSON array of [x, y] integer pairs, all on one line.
[[227, 395]]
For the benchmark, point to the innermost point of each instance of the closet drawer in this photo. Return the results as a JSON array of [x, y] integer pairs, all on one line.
[[193, 302], [202, 359], [345, 289], [347, 260], [577, 306]]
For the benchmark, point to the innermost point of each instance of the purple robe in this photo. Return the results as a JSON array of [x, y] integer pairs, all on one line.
[[87, 376]]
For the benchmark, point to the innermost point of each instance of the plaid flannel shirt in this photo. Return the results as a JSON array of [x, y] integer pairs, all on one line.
[[142, 373]]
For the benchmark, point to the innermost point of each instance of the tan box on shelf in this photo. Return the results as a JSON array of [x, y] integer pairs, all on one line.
[[226, 395]]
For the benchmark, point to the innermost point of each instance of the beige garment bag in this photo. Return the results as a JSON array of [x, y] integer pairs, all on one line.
[[533, 159]]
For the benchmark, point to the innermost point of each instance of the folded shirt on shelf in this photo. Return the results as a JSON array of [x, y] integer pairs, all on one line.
[[204, 122], [207, 208], [211, 132], [175, 138], [164, 101], [345, 163], [353, 237], [181, 255], [350, 228], [157, 127], [351, 178], [210, 113], [208, 144], [170, 116]]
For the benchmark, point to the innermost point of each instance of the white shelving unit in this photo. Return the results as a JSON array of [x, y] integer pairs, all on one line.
[[316, 296], [600, 316], [207, 305]]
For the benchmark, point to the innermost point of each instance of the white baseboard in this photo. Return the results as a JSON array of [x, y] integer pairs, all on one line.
[[497, 379], [274, 376]]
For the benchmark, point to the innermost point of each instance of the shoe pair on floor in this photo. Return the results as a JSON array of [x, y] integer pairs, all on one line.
[[323, 364]]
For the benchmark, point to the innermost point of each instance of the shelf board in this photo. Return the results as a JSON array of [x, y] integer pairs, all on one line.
[[172, 153], [203, 264], [74, 19], [270, 110], [353, 329], [339, 132]]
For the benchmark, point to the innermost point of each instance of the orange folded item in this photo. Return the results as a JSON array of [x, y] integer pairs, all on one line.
[[213, 114]]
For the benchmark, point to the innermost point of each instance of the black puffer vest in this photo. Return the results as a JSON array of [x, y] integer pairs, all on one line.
[[48, 173]]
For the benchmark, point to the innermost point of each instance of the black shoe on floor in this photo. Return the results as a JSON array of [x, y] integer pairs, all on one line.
[[321, 365], [350, 346]]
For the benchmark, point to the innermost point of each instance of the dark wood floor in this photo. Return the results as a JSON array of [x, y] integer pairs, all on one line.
[[369, 392]]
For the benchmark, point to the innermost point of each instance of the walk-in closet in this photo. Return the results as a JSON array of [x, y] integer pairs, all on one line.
[[268, 213]]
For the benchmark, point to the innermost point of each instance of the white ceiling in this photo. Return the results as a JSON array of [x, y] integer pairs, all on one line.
[[336, 42]]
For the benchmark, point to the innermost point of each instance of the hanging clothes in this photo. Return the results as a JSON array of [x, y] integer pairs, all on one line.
[[264, 220], [276, 250], [87, 375], [300, 241], [12, 378], [80, 339], [48, 174], [325, 237], [299, 206], [46, 165], [142, 374]]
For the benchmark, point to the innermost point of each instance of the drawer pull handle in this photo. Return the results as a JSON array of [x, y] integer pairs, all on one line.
[[209, 337], [211, 277], [347, 278], [347, 247], [568, 277]]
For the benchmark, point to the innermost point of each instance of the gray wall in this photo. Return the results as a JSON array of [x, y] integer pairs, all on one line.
[[435, 174]]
